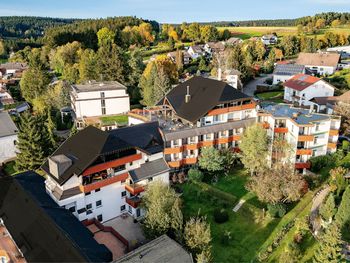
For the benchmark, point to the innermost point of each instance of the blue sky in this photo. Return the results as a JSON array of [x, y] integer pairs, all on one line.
[[174, 11]]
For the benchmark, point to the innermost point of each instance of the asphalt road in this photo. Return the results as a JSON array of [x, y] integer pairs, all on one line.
[[250, 87]]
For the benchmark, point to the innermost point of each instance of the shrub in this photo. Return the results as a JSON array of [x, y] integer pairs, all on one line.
[[277, 210], [194, 175], [319, 162], [220, 216], [226, 237]]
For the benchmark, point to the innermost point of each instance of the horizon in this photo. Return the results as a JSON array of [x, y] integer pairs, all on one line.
[[172, 11]]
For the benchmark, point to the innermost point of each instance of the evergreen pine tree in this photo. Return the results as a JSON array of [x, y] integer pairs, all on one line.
[[327, 209], [30, 148], [343, 214], [330, 246], [49, 127]]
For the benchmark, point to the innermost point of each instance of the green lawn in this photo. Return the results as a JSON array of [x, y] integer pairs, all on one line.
[[247, 235], [248, 32], [273, 96], [109, 120]]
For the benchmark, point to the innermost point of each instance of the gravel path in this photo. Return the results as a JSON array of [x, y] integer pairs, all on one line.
[[316, 203]]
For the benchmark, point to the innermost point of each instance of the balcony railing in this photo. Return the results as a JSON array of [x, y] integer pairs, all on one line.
[[134, 188], [133, 201], [306, 138], [104, 182], [281, 130]]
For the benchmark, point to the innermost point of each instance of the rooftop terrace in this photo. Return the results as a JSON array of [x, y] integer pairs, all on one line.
[[299, 115]]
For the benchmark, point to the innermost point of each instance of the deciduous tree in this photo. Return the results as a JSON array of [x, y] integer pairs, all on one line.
[[211, 159]]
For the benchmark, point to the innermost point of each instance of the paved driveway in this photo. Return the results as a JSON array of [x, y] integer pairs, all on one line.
[[250, 87]]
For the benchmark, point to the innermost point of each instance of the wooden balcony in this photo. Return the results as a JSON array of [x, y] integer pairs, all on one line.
[[222, 140], [332, 145], [206, 143], [304, 152], [306, 138], [133, 201], [172, 150], [118, 162], [174, 164], [190, 147], [231, 109], [189, 161], [134, 188], [281, 130], [333, 132], [306, 165], [234, 138], [104, 182]]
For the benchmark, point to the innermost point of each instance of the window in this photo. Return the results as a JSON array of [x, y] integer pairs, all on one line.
[[98, 203], [103, 103], [97, 190], [123, 193], [88, 212], [119, 168], [72, 209], [103, 111], [102, 94], [130, 209], [150, 179], [122, 208], [88, 193], [88, 206], [100, 218]]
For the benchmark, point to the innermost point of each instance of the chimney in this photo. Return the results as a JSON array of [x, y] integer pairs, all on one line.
[[219, 74], [58, 164], [187, 96]]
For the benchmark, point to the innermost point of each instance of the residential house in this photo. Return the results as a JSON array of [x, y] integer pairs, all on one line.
[[233, 41], [301, 89], [94, 99], [8, 138], [101, 175], [186, 58], [344, 51], [284, 72], [5, 96], [160, 250], [322, 63], [212, 48], [196, 51], [269, 39], [14, 68], [40, 229], [197, 113], [327, 104], [309, 134]]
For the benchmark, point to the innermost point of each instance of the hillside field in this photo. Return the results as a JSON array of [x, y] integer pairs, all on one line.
[[248, 32]]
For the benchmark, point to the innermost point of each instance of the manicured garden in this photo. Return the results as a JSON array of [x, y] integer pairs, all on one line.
[[273, 96], [120, 119]]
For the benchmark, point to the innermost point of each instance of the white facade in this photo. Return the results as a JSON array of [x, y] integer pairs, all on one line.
[[269, 39], [99, 102], [7, 148], [195, 53], [106, 202], [322, 70], [280, 78], [318, 89]]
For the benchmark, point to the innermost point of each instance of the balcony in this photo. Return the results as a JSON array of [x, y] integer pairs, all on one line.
[[172, 150], [233, 108], [103, 182], [333, 132], [281, 130], [189, 160], [265, 125], [133, 201], [118, 162], [190, 147], [332, 145], [304, 152], [134, 188], [174, 164], [306, 165], [306, 138]]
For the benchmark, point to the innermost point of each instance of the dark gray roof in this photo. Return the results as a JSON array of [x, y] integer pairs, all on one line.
[[205, 95], [7, 126], [149, 169], [97, 86], [48, 232], [64, 194], [288, 111], [160, 250], [288, 69], [87, 145], [145, 136], [186, 133]]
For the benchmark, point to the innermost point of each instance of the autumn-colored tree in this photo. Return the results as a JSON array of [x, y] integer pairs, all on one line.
[[343, 110]]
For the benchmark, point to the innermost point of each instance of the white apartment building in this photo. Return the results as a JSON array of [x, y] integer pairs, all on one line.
[[269, 39], [309, 134], [302, 89], [322, 63], [102, 175], [8, 138], [93, 99]]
